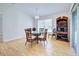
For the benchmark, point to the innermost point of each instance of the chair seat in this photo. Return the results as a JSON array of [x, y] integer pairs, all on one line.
[[29, 37], [33, 37], [41, 36]]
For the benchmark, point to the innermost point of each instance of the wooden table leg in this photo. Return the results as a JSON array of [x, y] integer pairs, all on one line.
[[37, 39]]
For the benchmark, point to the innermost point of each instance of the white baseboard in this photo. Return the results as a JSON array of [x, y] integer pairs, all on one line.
[[7, 40]]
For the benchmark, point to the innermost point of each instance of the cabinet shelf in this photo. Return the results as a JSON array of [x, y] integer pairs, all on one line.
[[62, 28]]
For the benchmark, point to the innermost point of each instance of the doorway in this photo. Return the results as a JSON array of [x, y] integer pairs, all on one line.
[[74, 29]]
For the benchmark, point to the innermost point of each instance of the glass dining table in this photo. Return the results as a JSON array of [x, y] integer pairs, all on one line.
[[36, 34]]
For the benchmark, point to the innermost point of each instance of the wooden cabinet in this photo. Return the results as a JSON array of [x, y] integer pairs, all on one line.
[[62, 28]]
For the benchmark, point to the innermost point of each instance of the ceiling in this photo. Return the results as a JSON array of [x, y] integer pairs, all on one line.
[[43, 8]]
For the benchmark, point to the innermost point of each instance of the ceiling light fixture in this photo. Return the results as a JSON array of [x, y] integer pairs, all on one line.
[[37, 16]]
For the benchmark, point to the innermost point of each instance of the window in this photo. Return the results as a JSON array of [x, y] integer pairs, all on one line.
[[46, 24]]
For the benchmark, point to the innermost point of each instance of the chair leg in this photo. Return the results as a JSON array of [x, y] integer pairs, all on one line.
[[44, 43], [25, 43], [40, 41], [31, 44]]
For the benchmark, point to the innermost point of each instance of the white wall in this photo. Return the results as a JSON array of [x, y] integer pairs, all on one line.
[[0, 24], [35, 23], [14, 22], [0, 27], [9, 22], [24, 21]]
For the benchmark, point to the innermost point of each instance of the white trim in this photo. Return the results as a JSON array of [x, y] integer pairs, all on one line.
[[7, 40]]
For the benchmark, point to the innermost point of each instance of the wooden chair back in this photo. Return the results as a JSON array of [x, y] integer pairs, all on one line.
[[45, 34], [28, 33]]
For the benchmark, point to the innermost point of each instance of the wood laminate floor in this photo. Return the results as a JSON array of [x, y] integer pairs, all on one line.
[[52, 48]]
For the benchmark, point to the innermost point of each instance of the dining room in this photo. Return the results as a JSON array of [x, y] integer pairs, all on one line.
[[31, 29]]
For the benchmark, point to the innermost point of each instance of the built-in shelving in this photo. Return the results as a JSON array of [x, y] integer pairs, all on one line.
[[62, 28]]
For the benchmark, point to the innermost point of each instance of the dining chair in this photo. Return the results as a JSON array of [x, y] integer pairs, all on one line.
[[29, 37], [41, 30], [43, 37], [54, 32]]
